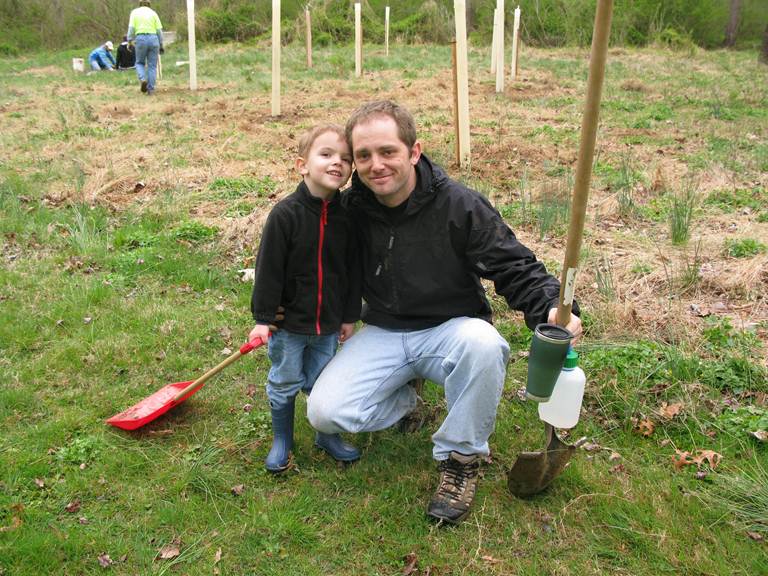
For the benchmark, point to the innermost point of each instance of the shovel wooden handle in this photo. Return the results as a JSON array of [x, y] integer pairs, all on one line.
[[586, 155], [244, 349]]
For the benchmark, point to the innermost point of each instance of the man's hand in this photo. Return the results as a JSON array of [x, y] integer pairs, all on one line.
[[162, 50], [346, 331], [573, 326]]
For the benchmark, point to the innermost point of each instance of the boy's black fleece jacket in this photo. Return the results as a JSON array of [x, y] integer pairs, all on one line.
[[426, 268], [318, 291]]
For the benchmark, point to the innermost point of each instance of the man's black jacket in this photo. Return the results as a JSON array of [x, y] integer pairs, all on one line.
[[425, 268], [306, 263]]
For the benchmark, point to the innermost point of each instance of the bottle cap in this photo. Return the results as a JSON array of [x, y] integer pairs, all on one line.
[[572, 360]]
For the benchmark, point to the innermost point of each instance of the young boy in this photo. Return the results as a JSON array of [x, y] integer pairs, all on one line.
[[306, 265]]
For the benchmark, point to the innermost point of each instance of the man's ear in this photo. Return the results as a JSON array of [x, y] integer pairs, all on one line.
[[301, 166], [415, 152]]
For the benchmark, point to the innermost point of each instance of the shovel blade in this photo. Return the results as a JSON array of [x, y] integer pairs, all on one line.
[[534, 471], [152, 406]]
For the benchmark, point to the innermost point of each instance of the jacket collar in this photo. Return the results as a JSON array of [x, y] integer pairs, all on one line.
[[313, 201]]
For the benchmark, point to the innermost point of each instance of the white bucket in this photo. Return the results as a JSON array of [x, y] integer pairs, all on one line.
[[78, 64]]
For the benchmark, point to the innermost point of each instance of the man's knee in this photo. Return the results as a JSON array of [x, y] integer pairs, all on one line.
[[320, 414], [483, 342]]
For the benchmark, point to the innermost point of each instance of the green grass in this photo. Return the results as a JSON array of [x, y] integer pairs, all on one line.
[[100, 307]]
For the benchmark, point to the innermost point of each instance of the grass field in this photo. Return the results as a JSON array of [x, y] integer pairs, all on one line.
[[124, 221]]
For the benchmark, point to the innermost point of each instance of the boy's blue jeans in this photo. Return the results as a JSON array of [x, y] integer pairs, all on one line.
[[297, 360], [364, 388]]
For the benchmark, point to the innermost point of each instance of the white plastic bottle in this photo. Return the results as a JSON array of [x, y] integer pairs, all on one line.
[[564, 406]]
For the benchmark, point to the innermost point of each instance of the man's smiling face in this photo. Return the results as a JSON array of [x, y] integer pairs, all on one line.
[[383, 161]]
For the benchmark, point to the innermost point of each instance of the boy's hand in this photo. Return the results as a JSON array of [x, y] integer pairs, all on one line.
[[259, 331], [346, 331]]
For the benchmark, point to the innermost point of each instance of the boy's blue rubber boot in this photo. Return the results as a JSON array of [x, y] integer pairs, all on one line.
[[282, 442], [336, 447]]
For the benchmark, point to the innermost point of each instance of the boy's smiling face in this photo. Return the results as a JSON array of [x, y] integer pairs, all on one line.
[[327, 166]]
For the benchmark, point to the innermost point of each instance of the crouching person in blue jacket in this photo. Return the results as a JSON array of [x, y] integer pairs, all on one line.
[[101, 58], [306, 265]]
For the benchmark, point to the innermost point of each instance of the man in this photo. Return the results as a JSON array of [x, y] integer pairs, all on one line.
[[426, 241], [101, 57], [146, 31]]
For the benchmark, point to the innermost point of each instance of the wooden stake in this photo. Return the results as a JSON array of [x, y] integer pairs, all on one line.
[[275, 57], [308, 18], [159, 67], [192, 47], [515, 43], [386, 31], [462, 81], [500, 49], [358, 40], [589, 121], [495, 40], [455, 103]]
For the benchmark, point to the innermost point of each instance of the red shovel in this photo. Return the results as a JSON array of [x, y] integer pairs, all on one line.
[[172, 395]]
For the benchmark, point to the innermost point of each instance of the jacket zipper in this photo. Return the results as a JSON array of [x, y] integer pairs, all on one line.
[[323, 222]]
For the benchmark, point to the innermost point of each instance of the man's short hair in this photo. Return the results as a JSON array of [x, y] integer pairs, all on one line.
[[145, 3], [406, 126], [309, 137]]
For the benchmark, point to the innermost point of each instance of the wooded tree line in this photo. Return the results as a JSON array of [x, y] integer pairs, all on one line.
[[36, 24]]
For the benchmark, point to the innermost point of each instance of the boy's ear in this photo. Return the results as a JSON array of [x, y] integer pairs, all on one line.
[[301, 166]]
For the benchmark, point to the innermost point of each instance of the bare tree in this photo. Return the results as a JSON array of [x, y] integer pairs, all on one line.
[[764, 51], [733, 23]]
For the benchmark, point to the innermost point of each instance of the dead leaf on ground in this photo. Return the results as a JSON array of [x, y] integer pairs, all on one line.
[[756, 536], [238, 490], [761, 435], [226, 352], [685, 458], [681, 459], [226, 334], [709, 456], [170, 550], [250, 391], [411, 564], [105, 561], [73, 506], [217, 556], [646, 427], [39, 482], [669, 411], [15, 523], [490, 559]]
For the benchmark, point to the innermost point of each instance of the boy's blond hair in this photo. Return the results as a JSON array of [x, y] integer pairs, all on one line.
[[309, 137]]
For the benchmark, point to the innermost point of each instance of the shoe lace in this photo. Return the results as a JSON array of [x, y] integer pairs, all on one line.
[[456, 476]]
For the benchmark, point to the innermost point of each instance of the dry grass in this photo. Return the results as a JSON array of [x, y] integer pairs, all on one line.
[[225, 130]]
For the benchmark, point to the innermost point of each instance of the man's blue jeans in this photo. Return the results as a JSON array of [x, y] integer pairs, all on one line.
[[364, 388], [297, 360], [147, 51]]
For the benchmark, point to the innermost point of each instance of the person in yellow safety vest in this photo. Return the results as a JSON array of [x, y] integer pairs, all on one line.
[[146, 31]]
